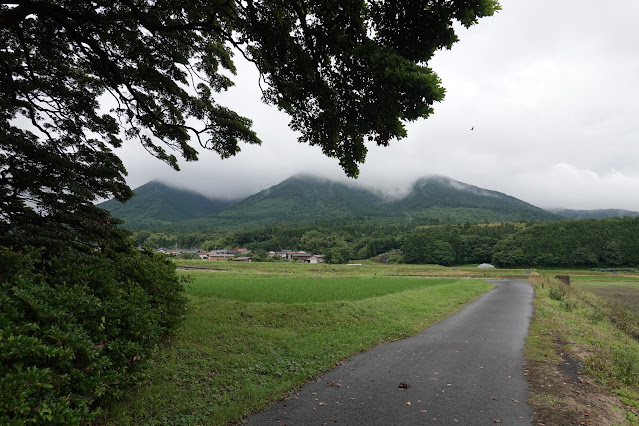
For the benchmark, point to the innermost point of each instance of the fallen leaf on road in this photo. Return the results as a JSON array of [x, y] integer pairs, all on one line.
[[408, 403], [423, 411], [515, 400], [496, 420], [403, 385], [322, 403]]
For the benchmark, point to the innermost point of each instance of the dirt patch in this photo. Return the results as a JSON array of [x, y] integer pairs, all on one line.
[[563, 396], [570, 367], [199, 268]]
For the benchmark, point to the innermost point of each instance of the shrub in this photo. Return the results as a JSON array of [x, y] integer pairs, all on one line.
[[77, 327], [556, 294]]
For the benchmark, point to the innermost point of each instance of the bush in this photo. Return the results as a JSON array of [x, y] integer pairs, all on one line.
[[556, 294], [77, 327]]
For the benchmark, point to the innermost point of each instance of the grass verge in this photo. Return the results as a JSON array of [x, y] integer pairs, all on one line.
[[249, 340], [582, 362]]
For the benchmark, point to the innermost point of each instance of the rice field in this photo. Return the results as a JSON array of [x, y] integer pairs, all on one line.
[[290, 290], [250, 338], [617, 288]]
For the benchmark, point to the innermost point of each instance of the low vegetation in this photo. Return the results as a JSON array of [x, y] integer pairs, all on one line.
[[583, 353], [253, 335], [255, 332], [76, 329]]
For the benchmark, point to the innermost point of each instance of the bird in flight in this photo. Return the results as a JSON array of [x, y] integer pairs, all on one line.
[[472, 128]]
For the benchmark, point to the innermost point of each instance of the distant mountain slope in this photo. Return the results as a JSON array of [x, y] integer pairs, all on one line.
[[303, 198], [309, 199], [594, 214], [156, 204], [433, 194]]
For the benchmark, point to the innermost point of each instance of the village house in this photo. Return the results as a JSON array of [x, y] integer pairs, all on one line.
[[216, 255], [236, 251], [173, 252], [299, 255], [241, 254], [280, 253]]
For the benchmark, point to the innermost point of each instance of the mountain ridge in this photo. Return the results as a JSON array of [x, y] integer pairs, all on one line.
[[307, 198], [156, 203], [593, 213]]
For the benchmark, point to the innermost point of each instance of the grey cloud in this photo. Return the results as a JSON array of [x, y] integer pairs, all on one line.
[[550, 88]]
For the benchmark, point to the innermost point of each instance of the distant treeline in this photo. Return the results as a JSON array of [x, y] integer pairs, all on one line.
[[584, 243]]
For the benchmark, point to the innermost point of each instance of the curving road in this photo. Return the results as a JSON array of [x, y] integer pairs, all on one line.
[[466, 369]]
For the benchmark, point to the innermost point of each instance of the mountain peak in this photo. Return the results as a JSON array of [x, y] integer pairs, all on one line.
[[157, 203]]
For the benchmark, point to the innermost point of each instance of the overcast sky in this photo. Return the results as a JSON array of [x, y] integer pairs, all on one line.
[[550, 87]]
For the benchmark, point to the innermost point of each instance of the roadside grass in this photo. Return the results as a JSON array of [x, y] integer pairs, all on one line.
[[582, 359], [254, 334]]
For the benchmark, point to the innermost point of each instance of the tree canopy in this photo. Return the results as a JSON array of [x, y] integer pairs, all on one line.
[[84, 308], [348, 73]]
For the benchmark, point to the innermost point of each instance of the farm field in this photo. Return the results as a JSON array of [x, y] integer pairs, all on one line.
[[257, 331], [359, 268], [616, 288]]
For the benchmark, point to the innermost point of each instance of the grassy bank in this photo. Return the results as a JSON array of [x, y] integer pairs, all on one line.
[[582, 353], [255, 332]]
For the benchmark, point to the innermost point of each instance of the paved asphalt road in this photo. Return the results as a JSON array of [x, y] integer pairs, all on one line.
[[466, 370]]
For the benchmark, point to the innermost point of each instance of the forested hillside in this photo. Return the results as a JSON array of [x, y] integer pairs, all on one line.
[[306, 199], [604, 243], [440, 220], [303, 198], [155, 204], [445, 198], [594, 214]]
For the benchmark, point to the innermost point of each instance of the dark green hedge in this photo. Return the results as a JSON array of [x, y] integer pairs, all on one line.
[[76, 328]]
